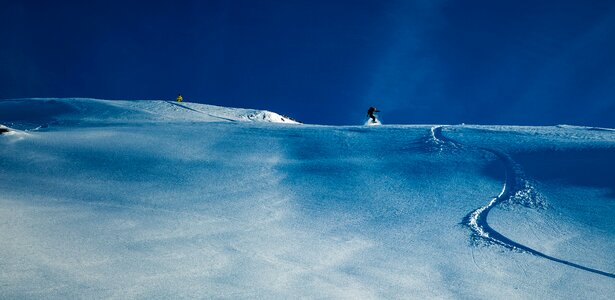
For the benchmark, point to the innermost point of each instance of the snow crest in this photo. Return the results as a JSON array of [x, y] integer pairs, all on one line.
[[39, 113]]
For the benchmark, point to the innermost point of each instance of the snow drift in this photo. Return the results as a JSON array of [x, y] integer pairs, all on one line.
[[155, 199]]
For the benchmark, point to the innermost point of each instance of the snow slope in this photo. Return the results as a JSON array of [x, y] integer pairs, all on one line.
[[36, 113], [155, 199]]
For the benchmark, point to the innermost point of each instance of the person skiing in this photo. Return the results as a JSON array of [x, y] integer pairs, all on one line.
[[370, 113], [179, 98]]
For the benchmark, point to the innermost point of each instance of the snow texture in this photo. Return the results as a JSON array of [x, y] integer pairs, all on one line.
[[158, 199], [371, 122]]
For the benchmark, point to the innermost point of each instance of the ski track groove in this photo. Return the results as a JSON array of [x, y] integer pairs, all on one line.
[[476, 220], [198, 111]]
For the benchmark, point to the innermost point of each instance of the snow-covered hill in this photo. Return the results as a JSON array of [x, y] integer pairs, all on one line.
[[42, 112], [155, 199]]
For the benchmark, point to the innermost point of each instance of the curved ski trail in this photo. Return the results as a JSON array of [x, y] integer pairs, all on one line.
[[477, 219]]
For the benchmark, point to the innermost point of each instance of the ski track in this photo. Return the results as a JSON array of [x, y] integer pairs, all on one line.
[[477, 219], [198, 111]]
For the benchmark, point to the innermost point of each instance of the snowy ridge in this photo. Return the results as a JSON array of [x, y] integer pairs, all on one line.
[[38, 113], [515, 188], [585, 127], [235, 114]]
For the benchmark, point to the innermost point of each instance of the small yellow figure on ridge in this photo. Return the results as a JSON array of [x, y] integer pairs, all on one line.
[[180, 98]]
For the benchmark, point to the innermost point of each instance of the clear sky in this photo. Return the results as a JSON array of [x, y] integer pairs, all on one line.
[[326, 62]]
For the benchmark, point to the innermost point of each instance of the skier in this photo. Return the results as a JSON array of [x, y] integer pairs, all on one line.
[[179, 98], [370, 113]]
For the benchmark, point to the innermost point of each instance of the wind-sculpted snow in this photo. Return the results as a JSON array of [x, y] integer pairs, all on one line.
[[158, 199], [517, 191]]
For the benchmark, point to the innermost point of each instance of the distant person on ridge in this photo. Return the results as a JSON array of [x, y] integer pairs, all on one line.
[[370, 113], [180, 98]]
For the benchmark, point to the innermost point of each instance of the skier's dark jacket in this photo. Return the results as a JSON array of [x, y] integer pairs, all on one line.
[[371, 111]]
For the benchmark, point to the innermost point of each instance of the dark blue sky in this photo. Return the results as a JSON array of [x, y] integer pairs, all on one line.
[[326, 62]]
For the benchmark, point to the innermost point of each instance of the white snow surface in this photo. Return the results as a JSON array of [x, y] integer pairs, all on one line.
[[371, 122], [42, 112], [158, 200]]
